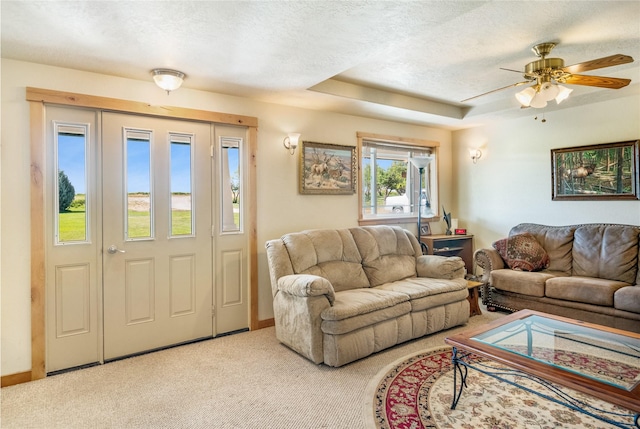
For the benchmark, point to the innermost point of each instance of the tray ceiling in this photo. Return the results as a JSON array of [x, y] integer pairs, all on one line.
[[410, 61]]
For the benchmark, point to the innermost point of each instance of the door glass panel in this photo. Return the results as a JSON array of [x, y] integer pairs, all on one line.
[[71, 143], [231, 184], [181, 185], [139, 224]]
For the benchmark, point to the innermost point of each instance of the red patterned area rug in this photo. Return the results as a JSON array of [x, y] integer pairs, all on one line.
[[416, 392]]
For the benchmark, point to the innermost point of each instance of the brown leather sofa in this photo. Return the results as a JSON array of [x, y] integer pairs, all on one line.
[[593, 275]]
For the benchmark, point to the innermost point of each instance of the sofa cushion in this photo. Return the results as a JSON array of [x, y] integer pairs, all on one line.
[[588, 290], [387, 253], [627, 299], [557, 241], [524, 282], [606, 252], [356, 308], [522, 252], [327, 253], [429, 293], [420, 287], [340, 327], [353, 302]]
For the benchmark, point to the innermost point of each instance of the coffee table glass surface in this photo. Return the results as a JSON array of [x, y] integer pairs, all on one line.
[[548, 340], [597, 360]]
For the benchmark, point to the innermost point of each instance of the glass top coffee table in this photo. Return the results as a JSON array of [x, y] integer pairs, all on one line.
[[549, 350]]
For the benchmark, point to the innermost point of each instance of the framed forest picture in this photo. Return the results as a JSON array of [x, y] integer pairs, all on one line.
[[599, 172]]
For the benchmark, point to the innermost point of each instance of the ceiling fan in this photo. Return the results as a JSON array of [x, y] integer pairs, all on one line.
[[549, 73]]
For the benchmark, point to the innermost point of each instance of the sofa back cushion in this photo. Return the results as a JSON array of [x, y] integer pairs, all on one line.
[[557, 241], [606, 251], [328, 253], [388, 253]]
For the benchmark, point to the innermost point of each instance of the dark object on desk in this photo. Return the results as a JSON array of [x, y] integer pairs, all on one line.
[[447, 219]]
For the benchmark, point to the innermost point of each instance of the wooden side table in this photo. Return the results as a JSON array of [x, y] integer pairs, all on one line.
[[451, 245], [474, 306]]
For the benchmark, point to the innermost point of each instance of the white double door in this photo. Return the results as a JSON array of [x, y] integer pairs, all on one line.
[[144, 277], [157, 247]]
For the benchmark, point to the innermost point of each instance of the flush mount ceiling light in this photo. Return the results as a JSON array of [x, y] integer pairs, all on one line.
[[168, 79]]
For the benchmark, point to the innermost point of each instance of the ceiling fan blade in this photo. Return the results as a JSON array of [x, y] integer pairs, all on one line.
[[511, 70], [612, 60], [496, 90], [599, 81]]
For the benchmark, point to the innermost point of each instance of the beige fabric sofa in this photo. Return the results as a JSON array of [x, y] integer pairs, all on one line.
[[593, 275], [343, 294]]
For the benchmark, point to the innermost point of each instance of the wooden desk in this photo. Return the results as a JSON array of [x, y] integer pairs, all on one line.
[[451, 245]]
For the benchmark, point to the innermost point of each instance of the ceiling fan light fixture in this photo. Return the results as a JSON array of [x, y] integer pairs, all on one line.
[[563, 93], [548, 91], [538, 101], [549, 73], [526, 95], [168, 79]]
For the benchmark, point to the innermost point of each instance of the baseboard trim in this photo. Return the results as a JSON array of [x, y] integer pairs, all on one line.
[[266, 323], [18, 378]]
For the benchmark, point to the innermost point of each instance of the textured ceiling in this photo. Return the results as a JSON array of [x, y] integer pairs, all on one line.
[[411, 61]]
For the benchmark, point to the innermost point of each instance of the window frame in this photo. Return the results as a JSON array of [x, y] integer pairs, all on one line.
[[400, 142], [58, 127], [226, 142]]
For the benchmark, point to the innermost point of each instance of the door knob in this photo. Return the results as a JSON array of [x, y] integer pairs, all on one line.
[[113, 249]]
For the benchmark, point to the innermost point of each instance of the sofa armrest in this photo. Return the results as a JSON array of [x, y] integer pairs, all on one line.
[[489, 260], [440, 267], [306, 285]]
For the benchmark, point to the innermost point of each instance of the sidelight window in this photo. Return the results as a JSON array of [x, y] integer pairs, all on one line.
[[71, 207], [231, 195]]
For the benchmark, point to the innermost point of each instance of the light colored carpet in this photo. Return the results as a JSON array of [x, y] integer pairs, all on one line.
[[247, 380]]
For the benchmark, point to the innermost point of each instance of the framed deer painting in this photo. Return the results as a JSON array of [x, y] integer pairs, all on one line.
[[599, 172], [327, 169]]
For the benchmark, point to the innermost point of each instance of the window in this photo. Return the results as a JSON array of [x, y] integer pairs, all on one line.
[[181, 178], [140, 214], [231, 195], [71, 147], [389, 183]]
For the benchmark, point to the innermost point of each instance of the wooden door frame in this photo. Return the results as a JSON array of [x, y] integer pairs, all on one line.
[[37, 99]]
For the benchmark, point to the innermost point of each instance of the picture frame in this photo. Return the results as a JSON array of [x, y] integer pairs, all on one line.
[[326, 168], [608, 171], [425, 229]]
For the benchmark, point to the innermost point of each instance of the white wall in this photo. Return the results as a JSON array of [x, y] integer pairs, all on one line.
[[280, 208], [511, 183]]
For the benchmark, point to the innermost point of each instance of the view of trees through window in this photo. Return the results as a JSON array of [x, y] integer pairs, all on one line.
[[389, 182]]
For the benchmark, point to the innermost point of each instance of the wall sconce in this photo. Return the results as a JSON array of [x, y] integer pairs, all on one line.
[[291, 142], [167, 79], [475, 154]]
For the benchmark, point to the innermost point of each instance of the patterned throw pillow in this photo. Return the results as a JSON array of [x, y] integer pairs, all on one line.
[[522, 252]]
